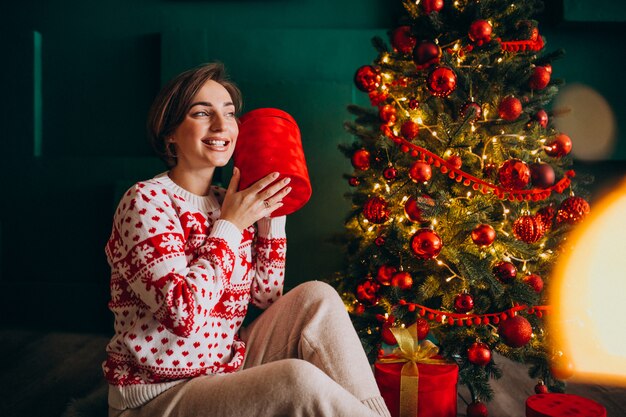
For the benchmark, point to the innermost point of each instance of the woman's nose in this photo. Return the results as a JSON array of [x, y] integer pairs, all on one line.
[[217, 124]]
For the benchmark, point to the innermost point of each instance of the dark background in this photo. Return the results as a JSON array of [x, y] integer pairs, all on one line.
[[77, 78]]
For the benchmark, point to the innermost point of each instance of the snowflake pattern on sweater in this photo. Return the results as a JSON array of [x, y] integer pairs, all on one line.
[[181, 282]]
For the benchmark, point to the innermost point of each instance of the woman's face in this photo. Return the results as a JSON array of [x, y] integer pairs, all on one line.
[[207, 136]]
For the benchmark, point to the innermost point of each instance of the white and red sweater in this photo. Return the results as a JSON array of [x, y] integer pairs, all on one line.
[[181, 281]]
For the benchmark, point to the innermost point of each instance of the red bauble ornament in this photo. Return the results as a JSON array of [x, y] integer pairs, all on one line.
[[542, 175], [367, 292], [412, 209], [479, 354], [541, 388], [561, 367], [463, 303], [546, 216], [359, 309], [379, 241], [420, 171], [515, 331], [480, 31], [514, 174], [367, 78], [472, 107], [528, 229], [560, 146], [386, 335], [510, 108], [376, 210], [414, 104], [402, 280], [426, 244], [377, 97], [354, 182], [422, 327], [441, 82], [477, 409], [539, 79], [390, 173], [385, 273], [542, 118], [430, 6], [505, 271], [410, 129], [403, 40], [535, 282], [426, 54], [387, 113], [455, 161], [483, 235], [361, 159], [572, 210]]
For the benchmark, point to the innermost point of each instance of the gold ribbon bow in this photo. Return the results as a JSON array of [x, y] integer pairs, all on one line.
[[412, 352]]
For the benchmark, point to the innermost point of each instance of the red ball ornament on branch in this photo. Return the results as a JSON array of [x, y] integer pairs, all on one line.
[[426, 244], [376, 210], [361, 159], [540, 78], [410, 130], [412, 209], [386, 335], [403, 40], [472, 107], [514, 174], [479, 354], [510, 108], [560, 146], [515, 331], [463, 303], [422, 328], [420, 171], [480, 32], [483, 235], [542, 118], [430, 6], [441, 82], [541, 388], [455, 161], [402, 280], [390, 173], [504, 271], [385, 273], [477, 409], [535, 282], [542, 175], [377, 97], [528, 229], [426, 54], [546, 216], [354, 182], [387, 113], [367, 78], [367, 292], [572, 210]]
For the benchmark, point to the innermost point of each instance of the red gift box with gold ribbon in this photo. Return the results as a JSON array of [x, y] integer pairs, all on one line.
[[414, 381], [269, 141]]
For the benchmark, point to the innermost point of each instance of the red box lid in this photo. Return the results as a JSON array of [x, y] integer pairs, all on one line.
[[562, 405]]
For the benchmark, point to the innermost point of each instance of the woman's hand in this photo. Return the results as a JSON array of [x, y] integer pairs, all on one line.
[[243, 208]]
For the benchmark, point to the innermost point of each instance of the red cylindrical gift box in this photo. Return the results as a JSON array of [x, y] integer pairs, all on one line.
[[269, 141], [558, 405], [437, 388]]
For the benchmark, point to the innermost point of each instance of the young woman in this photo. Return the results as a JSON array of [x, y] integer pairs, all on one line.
[[187, 257]]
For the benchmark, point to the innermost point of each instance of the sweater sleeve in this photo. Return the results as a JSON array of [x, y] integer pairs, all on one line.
[[269, 251], [147, 249]]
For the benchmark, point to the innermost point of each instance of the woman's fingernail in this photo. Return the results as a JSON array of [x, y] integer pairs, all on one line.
[[288, 189], [287, 180], [275, 174]]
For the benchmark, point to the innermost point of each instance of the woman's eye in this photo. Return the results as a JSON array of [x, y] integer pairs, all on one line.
[[230, 114], [201, 114]]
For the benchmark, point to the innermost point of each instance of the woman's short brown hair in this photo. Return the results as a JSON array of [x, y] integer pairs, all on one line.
[[172, 103]]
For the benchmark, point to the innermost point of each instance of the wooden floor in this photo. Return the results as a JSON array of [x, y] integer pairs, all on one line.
[[40, 372]]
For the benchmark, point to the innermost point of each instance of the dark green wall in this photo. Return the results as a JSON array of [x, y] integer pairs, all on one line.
[[78, 77]]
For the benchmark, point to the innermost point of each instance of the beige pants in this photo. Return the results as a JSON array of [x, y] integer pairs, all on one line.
[[303, 358]]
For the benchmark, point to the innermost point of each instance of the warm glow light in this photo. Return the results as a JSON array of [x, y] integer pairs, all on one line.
[[589, 291]]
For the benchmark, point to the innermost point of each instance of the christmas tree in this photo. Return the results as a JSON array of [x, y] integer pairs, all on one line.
[[462, 189]]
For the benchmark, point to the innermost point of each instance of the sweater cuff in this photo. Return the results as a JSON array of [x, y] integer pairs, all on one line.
[[272, 227], [223, 229]]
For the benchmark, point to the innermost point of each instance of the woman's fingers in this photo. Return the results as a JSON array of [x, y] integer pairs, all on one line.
[[264, 182], [278, 196], [275, 188], [234, 181]]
